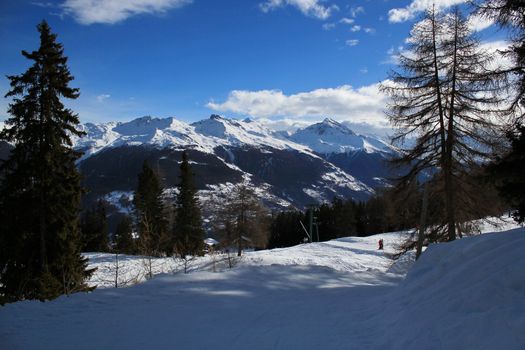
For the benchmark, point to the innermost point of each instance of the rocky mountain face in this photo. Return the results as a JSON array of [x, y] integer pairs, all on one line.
[[312, 165]]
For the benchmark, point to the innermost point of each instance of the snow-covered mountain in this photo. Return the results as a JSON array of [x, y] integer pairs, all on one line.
[[312, 165], [204, 135], [330, 136], [326, 137]]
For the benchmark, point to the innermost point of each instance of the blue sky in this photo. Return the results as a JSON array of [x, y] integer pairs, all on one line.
[[291, 60]]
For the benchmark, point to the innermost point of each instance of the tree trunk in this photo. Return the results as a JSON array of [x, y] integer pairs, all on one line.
[[422, 221], [449, 177]]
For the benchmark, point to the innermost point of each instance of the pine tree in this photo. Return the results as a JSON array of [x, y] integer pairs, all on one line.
[[510, 14], [444, 95], [508, 169], [40, 191], [124, 242], [188, 233], [150, 213], [94, 229], [286, 230], [508, 173]]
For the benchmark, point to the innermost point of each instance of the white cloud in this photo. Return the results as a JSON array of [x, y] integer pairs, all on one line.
[[103, 97], [112, 11], [43, 4], [369, 30], [352, 42], [355, 28], [328, 26], [477, 23], [346, 20], [364, 104], [398, 15], [312, 8], [355, 11], [287, 124]]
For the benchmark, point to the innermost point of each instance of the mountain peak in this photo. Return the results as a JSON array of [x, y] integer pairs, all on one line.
[[330, 121], [328, 126], [330, 136], [142, 125]]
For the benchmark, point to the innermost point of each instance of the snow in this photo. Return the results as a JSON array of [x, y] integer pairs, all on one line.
[[326, 137], [341, 294], [204, 135], [330, 136], [121, 200]]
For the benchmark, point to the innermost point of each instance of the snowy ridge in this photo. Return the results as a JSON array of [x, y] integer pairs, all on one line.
[[326, 137], [340, 294], [204, 135], [330, 136]]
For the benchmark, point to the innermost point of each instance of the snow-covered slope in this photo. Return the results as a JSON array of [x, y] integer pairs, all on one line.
[[330, 136], [341, 294]]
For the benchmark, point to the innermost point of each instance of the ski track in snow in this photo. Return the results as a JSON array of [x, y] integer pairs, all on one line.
[[340, 294]]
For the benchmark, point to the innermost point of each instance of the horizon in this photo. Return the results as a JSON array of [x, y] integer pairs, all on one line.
[[283, 63]]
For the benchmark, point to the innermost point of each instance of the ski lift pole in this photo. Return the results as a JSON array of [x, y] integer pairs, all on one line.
[[311, 223], [305, 230]]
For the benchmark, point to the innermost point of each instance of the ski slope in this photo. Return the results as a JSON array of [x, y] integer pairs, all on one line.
[[341, 294]]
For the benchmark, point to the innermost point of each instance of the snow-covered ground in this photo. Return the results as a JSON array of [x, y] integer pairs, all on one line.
[[342, 294]]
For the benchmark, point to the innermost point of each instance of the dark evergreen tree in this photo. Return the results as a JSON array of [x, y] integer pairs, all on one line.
[[508, 172], [94, 229], [150, 214], [124, 242], [510, 14], [361, 220], [337, 219], [188, 232], [40, 191], [286, 230], [508, 167]]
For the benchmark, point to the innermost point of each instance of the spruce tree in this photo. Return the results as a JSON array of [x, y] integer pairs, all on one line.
[[508, 169], [285, 229], [508, 173], [510, 14], [94, 229], [188, 233], [150, 213], [40, 191], [124, 242]]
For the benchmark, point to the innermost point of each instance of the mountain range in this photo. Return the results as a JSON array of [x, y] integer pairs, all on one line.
[[311, 165]]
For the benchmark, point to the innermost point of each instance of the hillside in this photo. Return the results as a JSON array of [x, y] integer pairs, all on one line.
[[467, 294]]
